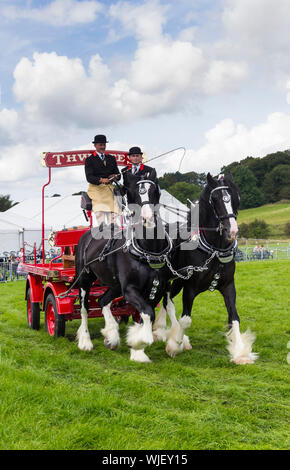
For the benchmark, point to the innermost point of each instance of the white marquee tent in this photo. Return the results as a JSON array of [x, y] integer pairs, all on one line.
[[23, 221]]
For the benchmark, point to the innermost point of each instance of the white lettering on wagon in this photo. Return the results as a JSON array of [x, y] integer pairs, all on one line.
[[58, 161], [67, 159], [120, 157], [75, 157], [82, 156]]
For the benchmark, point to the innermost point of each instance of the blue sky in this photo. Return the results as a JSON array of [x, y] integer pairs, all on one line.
[[212, 76]]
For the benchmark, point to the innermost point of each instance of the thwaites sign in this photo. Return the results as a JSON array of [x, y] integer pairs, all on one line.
[[78, 157]]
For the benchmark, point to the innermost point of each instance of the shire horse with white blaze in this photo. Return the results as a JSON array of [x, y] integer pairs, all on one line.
[[210, 266], [116, 263]]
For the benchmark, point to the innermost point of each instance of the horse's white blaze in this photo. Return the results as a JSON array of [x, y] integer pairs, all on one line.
[[83, 334], [233, 223], [159, 327], [111, 330], [140, 335], [146, 212], [240, 345]]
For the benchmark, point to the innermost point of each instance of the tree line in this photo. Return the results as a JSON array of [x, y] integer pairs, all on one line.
[[260, 180]]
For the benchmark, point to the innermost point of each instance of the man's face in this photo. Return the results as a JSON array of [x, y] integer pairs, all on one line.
[[136, 158], [100, 147]]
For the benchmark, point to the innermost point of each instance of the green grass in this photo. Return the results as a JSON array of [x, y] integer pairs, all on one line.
[[53, 396], [276, 215]]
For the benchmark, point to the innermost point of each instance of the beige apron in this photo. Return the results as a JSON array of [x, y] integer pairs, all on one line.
[[103, 199]]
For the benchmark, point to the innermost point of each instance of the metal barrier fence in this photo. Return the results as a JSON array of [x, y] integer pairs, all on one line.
[[253, 250], [11, 271], [248, 250]]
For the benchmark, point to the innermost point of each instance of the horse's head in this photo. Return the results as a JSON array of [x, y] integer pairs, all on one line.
[[224, 199], [143, 195]]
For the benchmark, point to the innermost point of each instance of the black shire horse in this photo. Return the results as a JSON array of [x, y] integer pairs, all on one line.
[[124, 264], [213, 268]]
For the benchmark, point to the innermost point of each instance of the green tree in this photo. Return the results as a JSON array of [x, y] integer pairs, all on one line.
[[258, 229], [276, 183], [5, 202], [183, 191], [244, 230], [251, 195], [169, 179], [287, 229]]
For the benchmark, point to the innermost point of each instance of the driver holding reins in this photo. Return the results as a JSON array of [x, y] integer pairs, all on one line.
[[101, 170]]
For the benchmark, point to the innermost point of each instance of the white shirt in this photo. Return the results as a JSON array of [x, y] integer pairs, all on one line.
[[135, 168]]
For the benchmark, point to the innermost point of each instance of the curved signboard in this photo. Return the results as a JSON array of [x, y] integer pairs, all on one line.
[[78, 157]]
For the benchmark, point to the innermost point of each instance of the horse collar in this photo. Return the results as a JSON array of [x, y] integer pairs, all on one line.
[[224, 255], [155, 260]]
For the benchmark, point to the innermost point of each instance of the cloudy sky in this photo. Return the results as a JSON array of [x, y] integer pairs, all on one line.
[[212, 76]]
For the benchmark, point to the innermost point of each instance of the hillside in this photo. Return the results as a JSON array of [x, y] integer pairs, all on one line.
[[276, 215]]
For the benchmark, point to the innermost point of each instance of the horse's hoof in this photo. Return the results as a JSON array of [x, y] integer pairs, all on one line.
[[243, 360], [186, 343], [86, 346], [109, 345], [138, 355], [173, 348]]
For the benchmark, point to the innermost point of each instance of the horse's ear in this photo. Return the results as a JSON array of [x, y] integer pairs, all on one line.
[[211, 181]]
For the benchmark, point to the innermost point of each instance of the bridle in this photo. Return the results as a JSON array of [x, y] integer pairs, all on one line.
[[226, 199], [143, 190]]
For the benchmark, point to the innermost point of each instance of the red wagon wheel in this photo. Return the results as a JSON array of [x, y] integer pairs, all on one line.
[[33, 312], [54, 323]]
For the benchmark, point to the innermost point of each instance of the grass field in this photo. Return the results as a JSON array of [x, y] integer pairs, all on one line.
[[54, 396], [276, 215]]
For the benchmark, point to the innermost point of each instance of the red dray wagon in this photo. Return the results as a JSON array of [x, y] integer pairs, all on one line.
[[49, 284]]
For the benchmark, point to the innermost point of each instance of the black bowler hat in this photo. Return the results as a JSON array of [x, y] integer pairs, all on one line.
[[100, 139], [135, 150]]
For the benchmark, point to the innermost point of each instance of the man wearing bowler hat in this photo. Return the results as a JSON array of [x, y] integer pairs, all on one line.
[[136, 166], [101, 170]]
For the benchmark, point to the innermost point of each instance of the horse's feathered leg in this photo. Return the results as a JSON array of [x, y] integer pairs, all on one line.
[[111, 329], [239, 345], [83, 334], [175, 341], [159, 327], [139, 335]]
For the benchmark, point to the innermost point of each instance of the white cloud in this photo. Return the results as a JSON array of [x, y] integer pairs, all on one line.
[[8, 124], [17, 162], [188, 34], [288, 94], [258, 26], [228, 142], [171, 65], [163, 76], [224, 75], [58, 89], [57, 13], [144, 21]]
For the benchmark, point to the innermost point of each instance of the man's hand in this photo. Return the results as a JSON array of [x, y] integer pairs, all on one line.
[[104, 180]]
